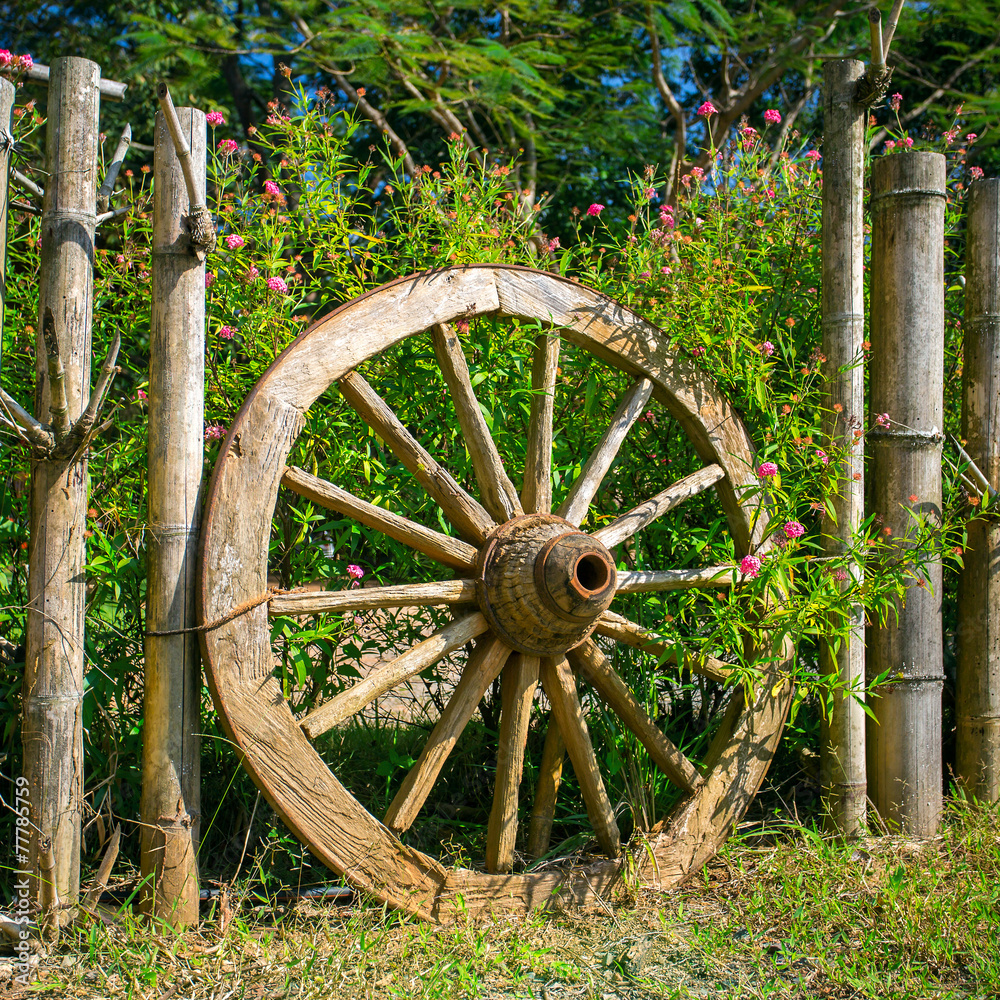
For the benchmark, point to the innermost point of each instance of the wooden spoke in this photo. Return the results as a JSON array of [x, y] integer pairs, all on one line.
[[549, 776], [574, 508], [642, 580], [536, 493], [468, 516], [628, 632], [596, 669], [640, 517], [407, 595], [442, 548], [497, 491], [482, 670], [386, 676], [560, 685], [517, 692]]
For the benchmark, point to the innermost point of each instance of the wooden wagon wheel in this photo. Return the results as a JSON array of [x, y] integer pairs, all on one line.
[[532, 590]]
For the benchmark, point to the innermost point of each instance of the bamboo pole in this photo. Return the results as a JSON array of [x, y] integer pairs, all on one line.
[[171, 746], [977, 685], [907, 333], [7, 94], [52, 729], [843, 744]]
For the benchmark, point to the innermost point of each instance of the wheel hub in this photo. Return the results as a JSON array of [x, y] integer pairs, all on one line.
[[542, 583]]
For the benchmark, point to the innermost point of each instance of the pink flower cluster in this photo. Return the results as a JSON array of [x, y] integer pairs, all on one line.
[[226, 333], [17, 64], [228, 146], [354, 571], [213, 432], [882, 420], [976, 173], [234, 241], [749, 136], [895, 101], [706, 109], [595, 209], [814, 155], [767, 348], [767, 470], [272, 189], [793, 529], [772, 116], [277, 285], [750, 566], [215, 118]]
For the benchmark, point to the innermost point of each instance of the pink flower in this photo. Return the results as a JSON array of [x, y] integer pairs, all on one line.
[[277, 285], [767, 348], [895, 101], [749, 132], [767, 470], [140, 396], [698, 351], [645, 274], [770, 192], [772, 117], [890, 144], [215, 118], [5, 57], [882, 420], [708, 108], [950, 136], [213, 432], [272, 189], [975, 173], [750, 566], [226, 332], [907, 142], [26, 62], [209, 279], [250, 273], [793, 529], [120, 259], [228, 146], [355, 572], [823, 456], [971, 137], [595, 209], [650, 193], [814, 155], [666, 270], [839, 574], [234, 241], [554, 244]]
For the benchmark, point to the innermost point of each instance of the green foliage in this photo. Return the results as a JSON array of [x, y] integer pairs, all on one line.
[[730, 271]]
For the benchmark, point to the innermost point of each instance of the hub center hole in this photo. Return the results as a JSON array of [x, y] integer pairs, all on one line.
[[591, 573]]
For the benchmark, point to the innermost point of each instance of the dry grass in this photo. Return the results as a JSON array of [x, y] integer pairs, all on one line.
[[783, 914]]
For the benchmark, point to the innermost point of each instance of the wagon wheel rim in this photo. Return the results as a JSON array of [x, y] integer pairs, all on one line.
[[505, 531]]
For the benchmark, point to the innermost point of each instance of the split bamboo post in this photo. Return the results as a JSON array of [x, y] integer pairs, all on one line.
[[52, 728], [907, 365], [171, 772], [7, 94], [843, 748], [977, 686]]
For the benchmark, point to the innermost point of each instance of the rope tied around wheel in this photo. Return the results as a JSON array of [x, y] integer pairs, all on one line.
[[237, 612]]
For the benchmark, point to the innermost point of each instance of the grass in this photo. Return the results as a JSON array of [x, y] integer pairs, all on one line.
[[779, 913]]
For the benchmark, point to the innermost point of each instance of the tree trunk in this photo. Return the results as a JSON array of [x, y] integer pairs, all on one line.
[[171, 771], [977, 688], [907, 333], [52, 728], [843, 748]]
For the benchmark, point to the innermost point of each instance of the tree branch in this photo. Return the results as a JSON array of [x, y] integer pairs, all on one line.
[[673, 105], [890, 27], [80, 435], [58, 405]]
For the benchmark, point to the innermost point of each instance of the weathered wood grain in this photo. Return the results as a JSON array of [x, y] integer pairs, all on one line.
[[596, 670], [405, 595], [517, 692], [619, 628], [392, 673], [443, 548], [498, 494], [639, 581], [466, 513], [549, 777], [626, 525], [560, 686], [574, 508], [480, 672], [536, 491]]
